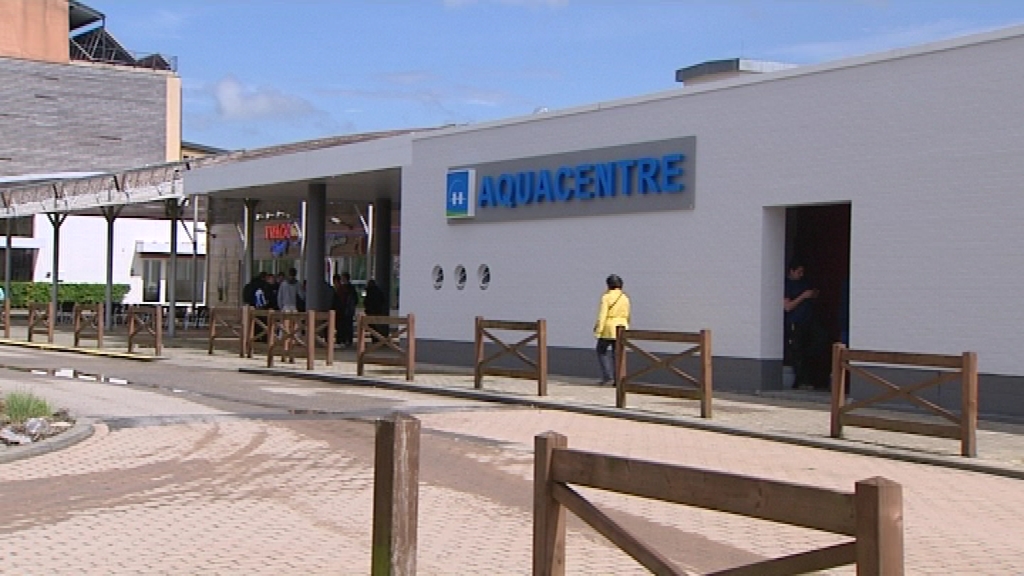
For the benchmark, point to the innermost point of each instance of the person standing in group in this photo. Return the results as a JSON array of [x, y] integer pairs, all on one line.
[[288, 292], [376, 304], [612, 312], [345, 308], [259, 292]]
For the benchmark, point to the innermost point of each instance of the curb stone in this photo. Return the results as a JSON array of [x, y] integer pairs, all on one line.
[[611, 412], [82, 430]]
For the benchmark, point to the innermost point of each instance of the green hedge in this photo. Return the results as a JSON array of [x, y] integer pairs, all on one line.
[[24, 293]]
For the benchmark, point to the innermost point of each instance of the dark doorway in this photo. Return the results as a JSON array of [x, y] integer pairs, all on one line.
[[819, 237], [23, 262]]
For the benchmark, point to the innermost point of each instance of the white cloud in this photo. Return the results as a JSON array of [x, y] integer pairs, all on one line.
[[237, 102]]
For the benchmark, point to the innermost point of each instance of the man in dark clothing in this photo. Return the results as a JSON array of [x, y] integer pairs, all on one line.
[[376, 304], [249, 290], [345, 307], [801, 337], [270, 291]]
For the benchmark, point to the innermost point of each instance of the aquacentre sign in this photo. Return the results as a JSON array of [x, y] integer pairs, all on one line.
[[651, 176]]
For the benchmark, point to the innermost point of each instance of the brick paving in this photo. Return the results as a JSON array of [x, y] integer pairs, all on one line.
[[213, 493]]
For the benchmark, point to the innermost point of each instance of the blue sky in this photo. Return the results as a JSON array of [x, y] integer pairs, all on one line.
[[263, 72]]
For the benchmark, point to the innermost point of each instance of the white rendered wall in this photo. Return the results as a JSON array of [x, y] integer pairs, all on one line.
[[83, 249], [926, 145]]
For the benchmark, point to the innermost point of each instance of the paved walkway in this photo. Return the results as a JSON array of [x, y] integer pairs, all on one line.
[[798, 417], [213, 493]]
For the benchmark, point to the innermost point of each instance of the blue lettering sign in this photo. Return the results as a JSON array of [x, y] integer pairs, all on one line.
[[586, 181]]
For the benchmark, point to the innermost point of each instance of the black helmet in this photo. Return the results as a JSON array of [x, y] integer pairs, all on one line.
[[613, 281]]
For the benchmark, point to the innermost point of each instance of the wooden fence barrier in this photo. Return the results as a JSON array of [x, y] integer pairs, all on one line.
[[88, 323], [626, 382], [538, 368], [229, 324], [964, 368], [872, 515], [258, 331], [41, 318], [291, 331], [385, 346], [396, 473], [146, 322], [6, 318]]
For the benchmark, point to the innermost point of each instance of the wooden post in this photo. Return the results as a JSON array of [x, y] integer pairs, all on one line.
[[100, 323], [310, 338], [76, 324], [542, 357], [360, 343], [331, 326], [271, 342], [213, 331], [410, 348], [838, 387], [620, 367], [969, 409], [478, 347], [548, 513], [706, 376], [51, 321], [243, 332], [158, 328], [879, 513], [396, 496]]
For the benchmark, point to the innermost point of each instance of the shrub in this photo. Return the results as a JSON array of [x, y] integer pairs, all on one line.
[[25, 293], [20, 406]]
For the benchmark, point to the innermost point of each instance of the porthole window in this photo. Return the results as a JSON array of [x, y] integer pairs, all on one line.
[[460, 276], [483, 274], [438, 275]]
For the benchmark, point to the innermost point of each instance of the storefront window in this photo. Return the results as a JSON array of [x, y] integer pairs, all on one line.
[[151, 280]]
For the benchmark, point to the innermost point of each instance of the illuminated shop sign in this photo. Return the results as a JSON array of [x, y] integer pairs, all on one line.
[[282, 231], [635, 178]]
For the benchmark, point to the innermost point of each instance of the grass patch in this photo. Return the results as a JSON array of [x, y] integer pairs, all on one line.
[[20, 406]]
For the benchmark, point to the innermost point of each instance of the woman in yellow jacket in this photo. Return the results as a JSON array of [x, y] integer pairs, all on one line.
[[611, 313]]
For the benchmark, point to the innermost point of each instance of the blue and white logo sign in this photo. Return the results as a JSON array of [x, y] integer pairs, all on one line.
[[461, 193]]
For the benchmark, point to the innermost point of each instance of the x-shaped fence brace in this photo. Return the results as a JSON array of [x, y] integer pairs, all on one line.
[[539, 368], [626, 381], [386, 348], [964, 368]]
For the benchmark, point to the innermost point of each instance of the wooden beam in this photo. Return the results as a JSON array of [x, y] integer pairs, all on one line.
[[951, 431], [801, 563], [627, 542], [903, 358], [783, 502]]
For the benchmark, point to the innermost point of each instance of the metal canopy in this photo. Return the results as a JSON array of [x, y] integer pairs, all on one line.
[[359, 175], [80, 15]]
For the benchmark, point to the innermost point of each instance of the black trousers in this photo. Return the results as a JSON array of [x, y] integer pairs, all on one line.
[[808, 349], [606, 358]]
